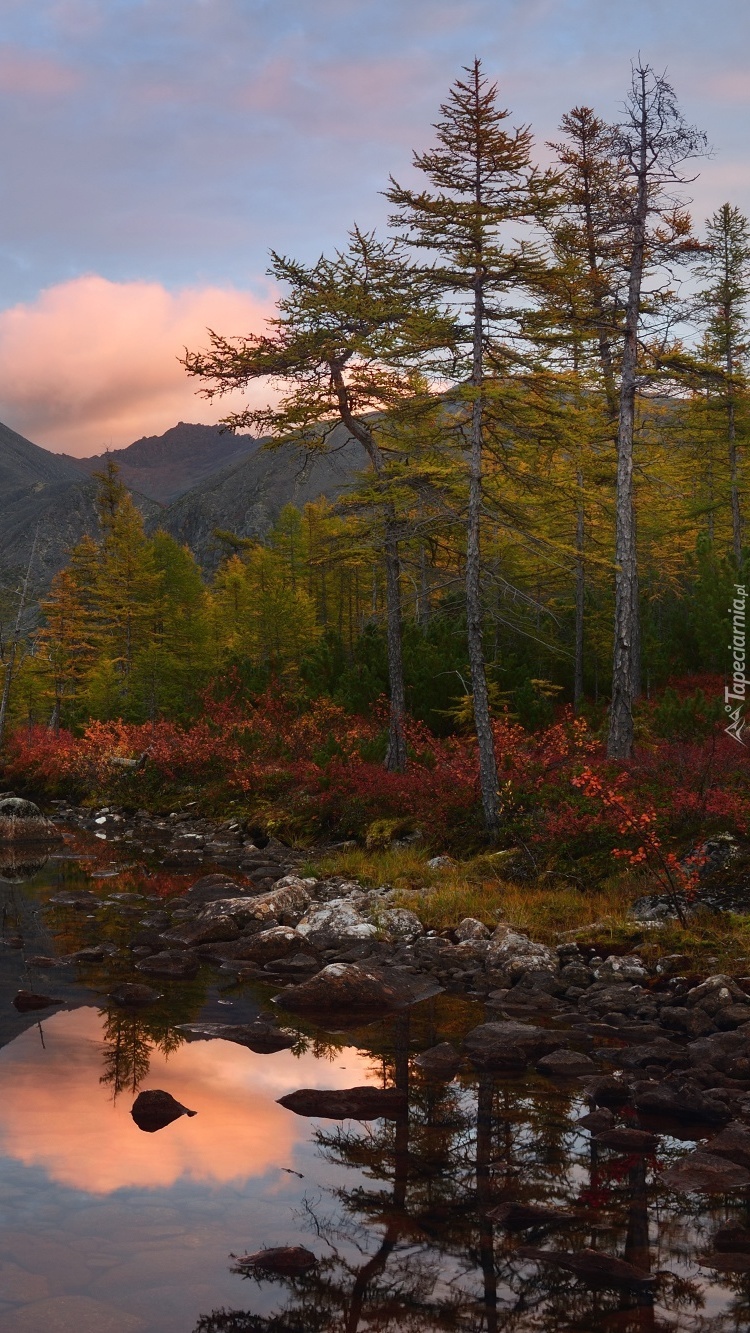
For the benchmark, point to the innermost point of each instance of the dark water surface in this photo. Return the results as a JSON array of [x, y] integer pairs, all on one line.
[[106, 1229]]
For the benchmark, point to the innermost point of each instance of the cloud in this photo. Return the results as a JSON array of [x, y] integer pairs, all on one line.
[[93, 364], [25, 74], [240, 1132]]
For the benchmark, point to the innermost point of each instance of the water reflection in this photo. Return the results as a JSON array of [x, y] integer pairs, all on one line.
[[57, 1113], [413, 1245]]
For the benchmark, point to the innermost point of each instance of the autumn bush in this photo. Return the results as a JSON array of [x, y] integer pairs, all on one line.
[[311, 773]]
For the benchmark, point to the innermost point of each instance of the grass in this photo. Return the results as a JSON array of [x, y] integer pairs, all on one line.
[[547, 908]]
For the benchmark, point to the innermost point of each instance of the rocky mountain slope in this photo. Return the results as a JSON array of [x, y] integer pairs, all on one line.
[[164, 467], [240, 486], [247, 497]]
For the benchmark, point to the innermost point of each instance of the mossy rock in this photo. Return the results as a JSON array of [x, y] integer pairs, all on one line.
[[383, 832]]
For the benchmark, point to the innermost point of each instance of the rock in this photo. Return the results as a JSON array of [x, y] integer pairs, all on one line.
[[335, 926], [181, 966], [22, 821], [732, 1017], [192, 934], [704, 1173], [296, 965], [627, 1140], [682, 1100], [278, 942], [155, 1109], [576, 974], [131, 994], [629, 968], [521, 1216], [261, 1037], [620, 997], [508, 1045], [440, 862], [471, 929], [732, 1143], [26, 1001], [399, 925], [659, 1052], [565, 1064], [594, 1268], [286, 1260], [341, 988], [511, 954], [212, 888], [715, 993], [440, 1062], [365, 1103], [728, 1052], [608, 1091], [284, 905], [597, 1121], [693, 1022]]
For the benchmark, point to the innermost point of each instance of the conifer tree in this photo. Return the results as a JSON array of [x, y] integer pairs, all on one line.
[[726, 269], [342, 347], [655, 142], [480, 180]]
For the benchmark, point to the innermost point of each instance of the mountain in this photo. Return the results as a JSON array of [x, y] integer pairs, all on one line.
[[247, 497], [164, 467]]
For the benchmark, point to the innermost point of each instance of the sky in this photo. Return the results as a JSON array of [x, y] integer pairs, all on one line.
[[153, 151]]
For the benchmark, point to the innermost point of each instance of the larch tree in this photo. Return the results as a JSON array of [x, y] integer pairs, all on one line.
[[655, 142], [342, 349], [726, 269], [481, 185]]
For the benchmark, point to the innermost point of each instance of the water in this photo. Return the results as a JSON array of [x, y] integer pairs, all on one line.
[[105, 1229]]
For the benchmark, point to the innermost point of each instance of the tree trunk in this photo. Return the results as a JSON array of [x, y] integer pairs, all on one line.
[[482, 720], [734, 482], [626, 628], [395, 757], [580, 599]]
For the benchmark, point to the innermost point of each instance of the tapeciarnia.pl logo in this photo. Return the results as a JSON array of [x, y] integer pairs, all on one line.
[[736, 694]]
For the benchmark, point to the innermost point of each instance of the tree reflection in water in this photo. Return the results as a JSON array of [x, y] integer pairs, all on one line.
[[411, 1247]]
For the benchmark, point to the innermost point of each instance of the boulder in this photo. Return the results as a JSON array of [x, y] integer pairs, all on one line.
[[733, 1239], [277, 942], [365, 1103], [608, 1090], [284, 905], [22, 821], [510, 954], [565, 1064], [335, 926], [285, 1260], [193, 933], [627, 1140], [471, 929], [182, 966], [155, 1109], [399, 925], [726, 1263], [728, 1052], [212, 888], [597, 1121], [26, 1002], [732, 1143], [342, 989], [705, 1173], [440, 1062], [508, 1045], [680, 1099], [261, 1037], [715, 993], [629, 968]]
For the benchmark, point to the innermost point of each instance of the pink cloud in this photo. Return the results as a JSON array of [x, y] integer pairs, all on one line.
[[34, 75], [240, 1131], [93, 364]]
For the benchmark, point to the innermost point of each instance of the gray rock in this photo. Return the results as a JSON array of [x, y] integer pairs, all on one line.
[[440, 1062], [629, 968], [704, 1173], [471, 929], [565, 1064], [181, 966], [399, 925], [335, 926], [508, 1045]]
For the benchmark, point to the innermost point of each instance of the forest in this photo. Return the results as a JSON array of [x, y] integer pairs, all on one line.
[[516, 625]]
